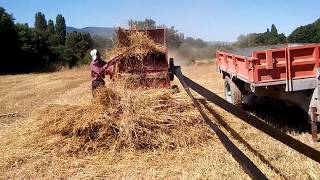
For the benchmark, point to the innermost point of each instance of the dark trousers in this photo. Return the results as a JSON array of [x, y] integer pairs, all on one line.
[[96, 84]]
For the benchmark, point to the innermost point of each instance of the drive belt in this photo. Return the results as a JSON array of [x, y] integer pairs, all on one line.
[[248, 166], [247, 117]]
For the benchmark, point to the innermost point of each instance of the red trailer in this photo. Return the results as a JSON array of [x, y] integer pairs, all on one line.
[[288, 72]]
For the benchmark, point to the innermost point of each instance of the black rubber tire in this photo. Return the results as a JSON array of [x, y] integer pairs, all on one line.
[[232, 92]]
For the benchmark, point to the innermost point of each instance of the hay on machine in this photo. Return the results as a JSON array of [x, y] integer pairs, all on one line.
[[134, 44], [142, 56]]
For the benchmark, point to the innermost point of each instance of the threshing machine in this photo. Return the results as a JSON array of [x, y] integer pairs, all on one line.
[[156, 70]]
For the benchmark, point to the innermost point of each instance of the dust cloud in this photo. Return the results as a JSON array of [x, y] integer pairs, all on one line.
[[178, 59]]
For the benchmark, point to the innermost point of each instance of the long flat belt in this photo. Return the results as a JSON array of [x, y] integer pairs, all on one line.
[[247, 165], [248, 118]]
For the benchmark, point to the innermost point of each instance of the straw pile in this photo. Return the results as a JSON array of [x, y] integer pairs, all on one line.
[[133, 47], [137, 45], [120, 119]]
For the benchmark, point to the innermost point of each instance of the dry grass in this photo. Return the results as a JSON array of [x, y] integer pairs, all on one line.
[[123, 119], [25, 154], [119, 119], [273, 158]]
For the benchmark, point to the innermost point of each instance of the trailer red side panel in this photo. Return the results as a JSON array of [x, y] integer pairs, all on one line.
[[281, 65]]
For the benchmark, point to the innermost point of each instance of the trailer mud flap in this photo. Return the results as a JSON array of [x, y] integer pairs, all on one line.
[[245, 116]]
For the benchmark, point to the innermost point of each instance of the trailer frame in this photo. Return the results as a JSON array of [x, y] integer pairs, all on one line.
[[288, 72]]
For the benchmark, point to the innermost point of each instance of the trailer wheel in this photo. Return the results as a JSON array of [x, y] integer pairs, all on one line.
[[232, 92]]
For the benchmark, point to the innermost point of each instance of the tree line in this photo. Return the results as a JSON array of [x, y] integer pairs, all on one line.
[[309, 33], [188, 48], [195, 48], [44, 47], [270, 37], [47, 45]]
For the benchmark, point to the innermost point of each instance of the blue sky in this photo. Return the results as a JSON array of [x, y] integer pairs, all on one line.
[[210, 20]]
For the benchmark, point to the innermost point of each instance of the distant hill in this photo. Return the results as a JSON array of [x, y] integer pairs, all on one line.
[[94, 31]]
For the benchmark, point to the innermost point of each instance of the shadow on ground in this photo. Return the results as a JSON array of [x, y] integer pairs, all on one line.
[[279, 115], [221, 121]]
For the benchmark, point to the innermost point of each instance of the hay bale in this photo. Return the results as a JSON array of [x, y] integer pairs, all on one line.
[[122, 118]]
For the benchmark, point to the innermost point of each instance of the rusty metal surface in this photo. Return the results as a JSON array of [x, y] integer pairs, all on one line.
[[154, 63], [151, 79]]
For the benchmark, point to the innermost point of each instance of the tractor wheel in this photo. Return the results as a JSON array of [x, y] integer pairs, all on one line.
[[232, 92], [171, 69]]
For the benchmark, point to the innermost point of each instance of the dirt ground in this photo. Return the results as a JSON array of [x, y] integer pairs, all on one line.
[[22, 95]]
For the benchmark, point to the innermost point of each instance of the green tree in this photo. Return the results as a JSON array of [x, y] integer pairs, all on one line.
[[9, 42], [35, 49], [309, 33], [282, 38], [60, 28], [274, 30], [272, 37], [252, 39], [195, 42], [261, 39], [50, 27], [40, 22], [146, 24], [242, 41], [53, 38], [102, 43], [26, 49], [174, 38], [78, 43]]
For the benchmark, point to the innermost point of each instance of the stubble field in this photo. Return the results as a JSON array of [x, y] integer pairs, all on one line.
[[21, 157]]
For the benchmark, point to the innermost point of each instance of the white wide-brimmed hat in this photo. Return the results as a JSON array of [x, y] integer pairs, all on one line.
[[94, 54]]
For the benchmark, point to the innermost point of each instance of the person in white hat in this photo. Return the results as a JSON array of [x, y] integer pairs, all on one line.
[[99, 69]]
